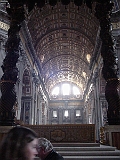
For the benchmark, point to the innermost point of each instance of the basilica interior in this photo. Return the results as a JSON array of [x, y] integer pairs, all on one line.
[[60, 63]]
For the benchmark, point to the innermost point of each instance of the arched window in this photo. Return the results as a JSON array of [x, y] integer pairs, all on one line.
[[55, 91], [76, 90], [66, 90]]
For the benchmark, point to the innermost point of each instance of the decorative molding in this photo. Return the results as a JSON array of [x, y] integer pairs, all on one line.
[[4, 26], [116, 25]]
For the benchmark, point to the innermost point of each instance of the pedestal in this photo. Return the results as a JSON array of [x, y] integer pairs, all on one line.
[[112, 133], [4, 130]]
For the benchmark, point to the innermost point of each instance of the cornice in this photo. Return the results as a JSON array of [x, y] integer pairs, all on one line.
[[115, 17]]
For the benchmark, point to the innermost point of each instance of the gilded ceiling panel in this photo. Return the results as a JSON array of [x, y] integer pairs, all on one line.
[[64, 38]]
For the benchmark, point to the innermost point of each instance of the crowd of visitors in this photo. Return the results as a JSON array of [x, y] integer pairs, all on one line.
[[22, 143], [46, 151]]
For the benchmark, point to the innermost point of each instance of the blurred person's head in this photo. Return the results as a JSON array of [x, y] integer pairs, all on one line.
[[19, 144], [44, 147]]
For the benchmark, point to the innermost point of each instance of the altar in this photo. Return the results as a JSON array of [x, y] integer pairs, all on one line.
[[70, 133]]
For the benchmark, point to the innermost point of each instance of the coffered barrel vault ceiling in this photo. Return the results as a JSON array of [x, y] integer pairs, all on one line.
[[64, 38]]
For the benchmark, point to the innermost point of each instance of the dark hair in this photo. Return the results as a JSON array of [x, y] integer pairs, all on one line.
[[12, 145]]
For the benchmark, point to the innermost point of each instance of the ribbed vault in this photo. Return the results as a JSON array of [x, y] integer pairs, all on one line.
[[64, 38]]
